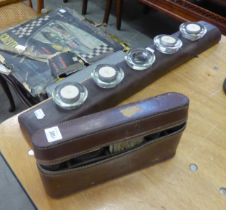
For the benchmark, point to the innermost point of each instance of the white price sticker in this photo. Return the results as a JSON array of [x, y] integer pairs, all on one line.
[[53, 134], [39, 114]]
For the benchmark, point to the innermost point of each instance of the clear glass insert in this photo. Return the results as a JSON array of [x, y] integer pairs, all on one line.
[[167, 44], [140, 59], [107, 76], [70, 95], [192, 30]]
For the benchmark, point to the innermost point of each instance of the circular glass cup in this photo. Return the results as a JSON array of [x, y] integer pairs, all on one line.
[[107, 76], [70, 95], [167, 44], [140, 59], [192, 30]]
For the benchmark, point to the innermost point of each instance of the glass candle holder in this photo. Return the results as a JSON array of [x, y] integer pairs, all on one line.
[[140, 59], [167, 44], [192, 30], [107, 76], [70, 95]]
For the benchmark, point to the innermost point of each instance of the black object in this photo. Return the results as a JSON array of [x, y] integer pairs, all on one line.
[[224, 86], [8, 93], [84, 7], [63, 64]]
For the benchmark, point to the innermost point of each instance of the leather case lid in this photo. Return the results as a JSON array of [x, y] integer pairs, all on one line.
[[72, 138], [134, 81]]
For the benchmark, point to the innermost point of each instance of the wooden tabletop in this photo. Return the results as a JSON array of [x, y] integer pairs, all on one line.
[[170, 185]]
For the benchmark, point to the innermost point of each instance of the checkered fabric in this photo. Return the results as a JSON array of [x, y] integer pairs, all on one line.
[[26, 30], [100, 50]]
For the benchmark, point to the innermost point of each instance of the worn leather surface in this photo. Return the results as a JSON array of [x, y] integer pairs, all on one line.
[[219, 2], [58, 184], [134, 81], [132, 121], [110, 126]]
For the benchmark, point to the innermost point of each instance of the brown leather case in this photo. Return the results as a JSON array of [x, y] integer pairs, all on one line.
[[100, 99], [218, 2], [95, 148]]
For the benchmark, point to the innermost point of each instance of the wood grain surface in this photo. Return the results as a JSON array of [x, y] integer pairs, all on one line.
[[170, 185]]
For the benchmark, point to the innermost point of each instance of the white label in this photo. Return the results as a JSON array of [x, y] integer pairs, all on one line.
[[39, 114], [53, 134], [20, 48], [62, 10]]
